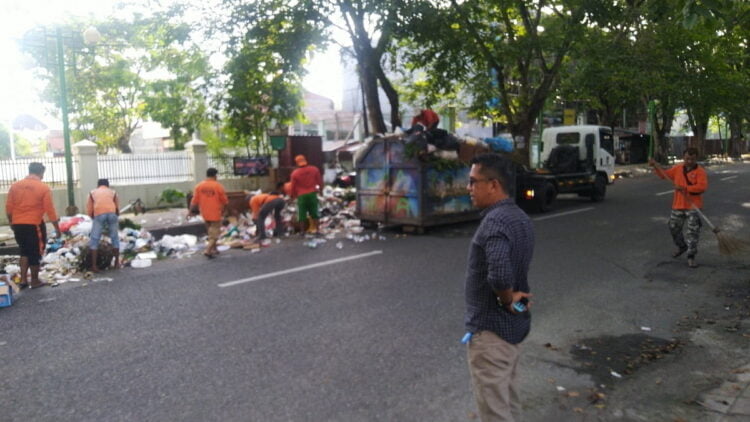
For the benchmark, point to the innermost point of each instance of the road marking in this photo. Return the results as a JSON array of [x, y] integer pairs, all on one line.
[[729, 178], [546, 217], [298, 269], [665, 192]]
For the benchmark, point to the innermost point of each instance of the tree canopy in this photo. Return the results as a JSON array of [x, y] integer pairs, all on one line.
[[144, 66]]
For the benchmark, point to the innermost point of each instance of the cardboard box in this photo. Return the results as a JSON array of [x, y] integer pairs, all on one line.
[[6, 295]]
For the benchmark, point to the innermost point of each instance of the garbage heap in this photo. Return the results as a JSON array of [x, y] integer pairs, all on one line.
[[66, 257], [337, 211]]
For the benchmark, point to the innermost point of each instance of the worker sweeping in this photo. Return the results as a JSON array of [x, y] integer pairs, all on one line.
[[690, 182]]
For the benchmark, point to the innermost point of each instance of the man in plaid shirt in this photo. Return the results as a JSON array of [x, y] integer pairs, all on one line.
[[496, 280]]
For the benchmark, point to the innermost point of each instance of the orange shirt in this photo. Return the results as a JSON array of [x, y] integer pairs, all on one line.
[[102, 200], [257, 202], [305, 180], [698, 184], [210, 197], [28, 200]]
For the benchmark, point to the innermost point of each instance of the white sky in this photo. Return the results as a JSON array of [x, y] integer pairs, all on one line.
[[19, 91]]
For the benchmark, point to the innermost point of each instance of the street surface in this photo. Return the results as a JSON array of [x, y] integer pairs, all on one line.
[[373, 335]]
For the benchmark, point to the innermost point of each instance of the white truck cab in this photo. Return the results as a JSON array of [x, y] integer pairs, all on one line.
[[599, 137]]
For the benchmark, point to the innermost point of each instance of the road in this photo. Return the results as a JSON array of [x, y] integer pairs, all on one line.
[[372, 332]]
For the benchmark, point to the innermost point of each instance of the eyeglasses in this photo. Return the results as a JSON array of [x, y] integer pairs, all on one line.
[[473, 182]]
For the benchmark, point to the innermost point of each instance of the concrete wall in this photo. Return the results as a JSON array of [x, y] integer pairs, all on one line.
[[148, 193]]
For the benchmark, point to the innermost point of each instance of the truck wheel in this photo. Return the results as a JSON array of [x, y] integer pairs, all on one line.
[[546, 198], [599, 188]]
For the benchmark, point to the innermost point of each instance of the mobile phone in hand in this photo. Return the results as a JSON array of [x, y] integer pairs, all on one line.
[[520, 306]]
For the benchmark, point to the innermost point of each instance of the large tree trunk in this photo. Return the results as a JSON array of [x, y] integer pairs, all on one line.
[[735, 140], [123, 144], [699, 124], [375, 115], [392, 95], [521, 130]]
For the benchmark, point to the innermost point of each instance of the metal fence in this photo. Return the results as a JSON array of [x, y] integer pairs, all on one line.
[[54, 175], [136, 169], [225, 165]]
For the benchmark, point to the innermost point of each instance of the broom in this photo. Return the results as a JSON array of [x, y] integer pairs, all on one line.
[[728, 245]]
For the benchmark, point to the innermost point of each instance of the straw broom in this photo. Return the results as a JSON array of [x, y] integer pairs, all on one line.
[[728, 245]]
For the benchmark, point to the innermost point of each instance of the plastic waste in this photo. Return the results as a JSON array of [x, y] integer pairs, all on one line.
[[140, 263], [81, 229], [147, 255], [500, 143]]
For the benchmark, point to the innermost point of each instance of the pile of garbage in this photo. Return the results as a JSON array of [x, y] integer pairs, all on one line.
[[336, 207], [65, 258], [428, 143]]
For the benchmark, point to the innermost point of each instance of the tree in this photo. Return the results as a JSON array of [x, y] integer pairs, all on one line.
[[179, 103], [303, 26], [143, 65], [259, 93], [728, 23], [506, 54], [4, 143]]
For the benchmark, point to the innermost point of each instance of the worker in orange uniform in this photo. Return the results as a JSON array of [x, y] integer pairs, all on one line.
[[211, 200], [28, 201], [104, 208], [690, 182], [264, 204], [306, 183]]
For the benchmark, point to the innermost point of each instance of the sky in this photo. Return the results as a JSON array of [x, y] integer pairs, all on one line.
[[19, 91]]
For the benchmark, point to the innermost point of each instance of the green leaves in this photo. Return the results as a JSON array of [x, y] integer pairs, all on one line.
[[144, 67]]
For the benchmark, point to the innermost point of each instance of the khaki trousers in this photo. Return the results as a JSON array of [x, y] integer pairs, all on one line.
[[213, 228], [493, 364]]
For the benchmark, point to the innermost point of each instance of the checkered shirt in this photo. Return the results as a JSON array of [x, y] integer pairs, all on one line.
[[499, 259]]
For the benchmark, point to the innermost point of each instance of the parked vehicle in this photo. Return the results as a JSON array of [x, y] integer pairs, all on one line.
[[576, 159]]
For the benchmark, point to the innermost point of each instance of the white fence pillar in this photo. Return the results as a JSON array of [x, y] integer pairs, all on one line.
[[88, 171], [199, 157]]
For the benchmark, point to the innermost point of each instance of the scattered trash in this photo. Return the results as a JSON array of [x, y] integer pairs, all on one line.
[[615, 374], [645, 328], [147, 255], [340, 245], [560, 388], [140, 263]]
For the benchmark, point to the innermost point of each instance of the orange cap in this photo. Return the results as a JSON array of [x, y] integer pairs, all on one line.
[[300, 160]]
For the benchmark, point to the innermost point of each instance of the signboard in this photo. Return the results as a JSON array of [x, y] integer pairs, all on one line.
[[569, 117], [278, 142], [251, 166]]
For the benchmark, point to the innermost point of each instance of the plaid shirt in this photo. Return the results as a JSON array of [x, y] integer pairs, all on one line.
[[499, 259]]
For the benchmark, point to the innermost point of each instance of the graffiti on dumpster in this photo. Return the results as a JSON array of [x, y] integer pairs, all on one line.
[[373, 180], [447, 193], [404, 181]]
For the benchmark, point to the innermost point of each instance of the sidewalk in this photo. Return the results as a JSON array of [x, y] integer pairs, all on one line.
[[731, 400]]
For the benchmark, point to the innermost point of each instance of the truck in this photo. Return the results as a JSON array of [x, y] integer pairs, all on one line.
[[396, 189], [576, 159]]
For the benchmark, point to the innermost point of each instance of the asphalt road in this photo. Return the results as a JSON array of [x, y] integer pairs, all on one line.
[[376, 337]]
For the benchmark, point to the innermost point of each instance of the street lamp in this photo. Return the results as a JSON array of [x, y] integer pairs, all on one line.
[[90, 36]]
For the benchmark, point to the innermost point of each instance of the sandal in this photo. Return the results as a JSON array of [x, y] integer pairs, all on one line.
[[38, 286], [691, 263], [679, 252], [208, 255]]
